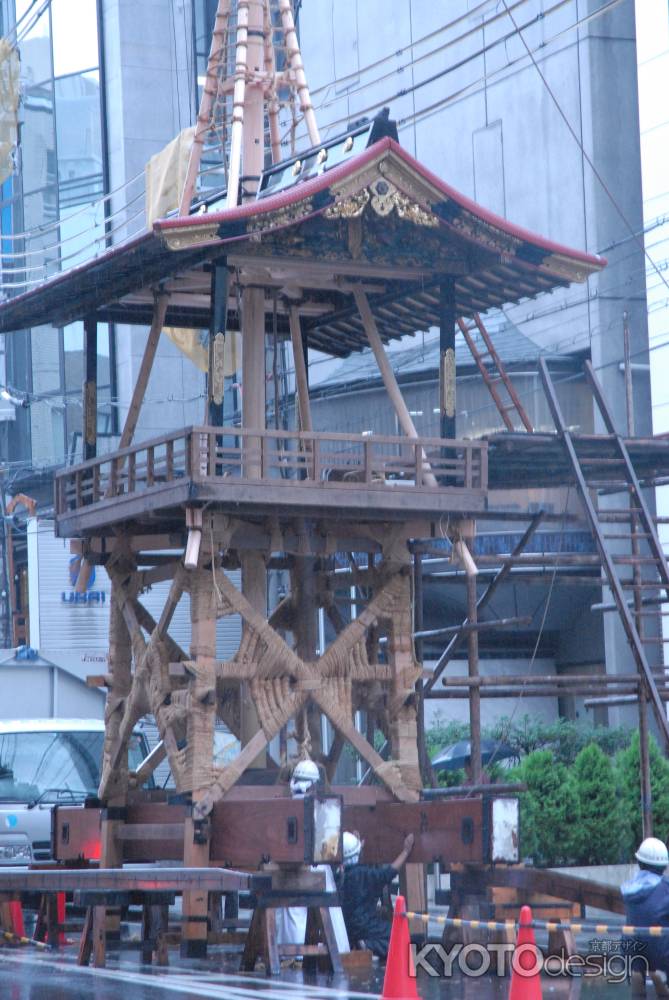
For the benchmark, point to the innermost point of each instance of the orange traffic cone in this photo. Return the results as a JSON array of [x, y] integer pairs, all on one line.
[[399, 982], [60, 917], [525, 964], [16, 913]]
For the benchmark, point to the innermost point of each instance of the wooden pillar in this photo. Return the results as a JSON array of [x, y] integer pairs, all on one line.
[[113, 814], [303, 586], [254, 570], [447, 358], [475, 692], [217, 325], [90, 387], [200, 747], [426, 771], [301, 370]]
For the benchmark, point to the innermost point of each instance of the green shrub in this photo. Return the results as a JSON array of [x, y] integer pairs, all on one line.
[[598, 835], [548, 810], [627, 769]]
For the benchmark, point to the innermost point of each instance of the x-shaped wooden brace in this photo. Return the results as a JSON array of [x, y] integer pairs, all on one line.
[[316, 681]]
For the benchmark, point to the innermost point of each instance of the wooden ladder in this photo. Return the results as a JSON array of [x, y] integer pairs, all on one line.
[[604, 467], [497, 376]]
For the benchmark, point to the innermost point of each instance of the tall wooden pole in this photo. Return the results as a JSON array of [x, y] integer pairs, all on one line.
[[253, 145], [272, 100], [254, 570], [90, 393], [294, 57], [238, 103], [216, 55]]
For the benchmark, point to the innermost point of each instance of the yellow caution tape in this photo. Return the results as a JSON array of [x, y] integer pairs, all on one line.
[[18, 939], [542, 925]]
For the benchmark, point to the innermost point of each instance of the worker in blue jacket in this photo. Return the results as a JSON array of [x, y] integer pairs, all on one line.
[[360, 887], [646, 899]]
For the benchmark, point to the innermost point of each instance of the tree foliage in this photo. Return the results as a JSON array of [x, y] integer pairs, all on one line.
[[598, 834], [583, 801], [548, 810]]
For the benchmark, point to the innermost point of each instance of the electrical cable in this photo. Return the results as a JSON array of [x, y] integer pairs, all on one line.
[[484, 50], [578, 142]]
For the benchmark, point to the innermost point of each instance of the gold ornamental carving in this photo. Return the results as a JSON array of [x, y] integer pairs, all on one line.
[[384, 199], [485, 233], [566, 268], [349, 208], [286, 216], [218, 368], [448, 383], [190, 236]]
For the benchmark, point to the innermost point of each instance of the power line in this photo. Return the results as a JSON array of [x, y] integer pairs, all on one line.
[[578, 142]]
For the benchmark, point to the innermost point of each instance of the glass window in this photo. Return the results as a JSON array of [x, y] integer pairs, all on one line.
[[75, 36], [49, 766], [38, 138], [55, 766], [35, 47], [79, 138]]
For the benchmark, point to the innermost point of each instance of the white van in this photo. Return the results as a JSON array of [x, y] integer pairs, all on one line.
[[44, 762]]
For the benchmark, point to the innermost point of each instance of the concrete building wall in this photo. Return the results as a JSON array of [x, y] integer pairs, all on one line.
[[150, 96], [558, 155], [46, 692], [442, 711], [488, 125]]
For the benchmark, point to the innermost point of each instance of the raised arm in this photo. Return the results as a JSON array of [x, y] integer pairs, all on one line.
[[401, 858]]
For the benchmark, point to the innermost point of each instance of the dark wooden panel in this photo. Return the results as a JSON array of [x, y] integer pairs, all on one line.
[[76, 833], [448, 831], [269, 826], [244, 834]]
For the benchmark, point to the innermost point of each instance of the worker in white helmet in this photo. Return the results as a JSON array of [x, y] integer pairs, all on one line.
[[646, 899], [291, 921], [360, 888]]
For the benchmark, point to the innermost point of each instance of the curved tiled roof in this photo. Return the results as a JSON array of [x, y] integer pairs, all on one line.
[[380, 217]]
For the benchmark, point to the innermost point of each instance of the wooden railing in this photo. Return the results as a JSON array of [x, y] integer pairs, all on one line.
[[220, 455]]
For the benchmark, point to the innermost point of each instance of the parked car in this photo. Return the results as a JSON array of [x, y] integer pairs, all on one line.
[[44, 762]]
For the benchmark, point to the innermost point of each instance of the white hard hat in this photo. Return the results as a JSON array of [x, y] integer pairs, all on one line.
[[653, 852], [305, 775], [352, 846], [306, 770]]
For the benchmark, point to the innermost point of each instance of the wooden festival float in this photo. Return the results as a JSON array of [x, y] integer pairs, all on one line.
[[344, 246]]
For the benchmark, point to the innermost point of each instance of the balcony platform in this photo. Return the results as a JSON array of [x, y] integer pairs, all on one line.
[[271, 474]]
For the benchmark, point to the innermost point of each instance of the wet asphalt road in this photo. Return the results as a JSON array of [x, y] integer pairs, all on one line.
[[26, 975]]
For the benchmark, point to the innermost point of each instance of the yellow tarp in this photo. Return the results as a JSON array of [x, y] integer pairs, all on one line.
[[165, 175], [9, 103]]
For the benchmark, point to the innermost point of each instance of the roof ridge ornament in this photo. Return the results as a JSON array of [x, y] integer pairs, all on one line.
[[384, 198]]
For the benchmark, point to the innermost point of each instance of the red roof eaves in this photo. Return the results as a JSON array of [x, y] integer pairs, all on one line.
[[315, 185]]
